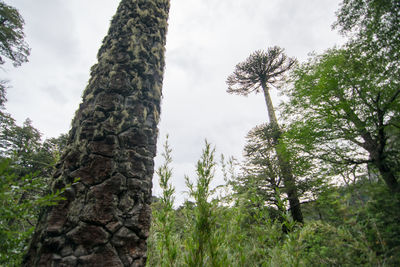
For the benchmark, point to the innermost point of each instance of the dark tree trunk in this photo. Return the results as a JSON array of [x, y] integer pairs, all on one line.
[[291, 189], [284, 165], [105, 218], [388, 176], [378, 157]]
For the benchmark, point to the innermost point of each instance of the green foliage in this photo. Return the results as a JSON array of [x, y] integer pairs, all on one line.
[[12, 44], [341, 110], [261, 165], [164, 216], [352, 225], [260, 71], [373, 26], [261, 173], [202, 245], [249, 232], [345, 103], [21, 199], [26, 164], [379, 219], [320, 244], [28, 153]]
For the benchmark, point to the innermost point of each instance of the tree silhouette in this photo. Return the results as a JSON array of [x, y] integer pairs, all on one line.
[[260, 71]]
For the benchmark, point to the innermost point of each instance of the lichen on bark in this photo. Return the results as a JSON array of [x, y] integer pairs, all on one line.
[[105, 217]]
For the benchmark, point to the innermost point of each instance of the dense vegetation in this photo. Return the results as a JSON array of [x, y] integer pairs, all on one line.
[[334, 157], [26, 164], [26, 161], [345, 225], [339, 135]]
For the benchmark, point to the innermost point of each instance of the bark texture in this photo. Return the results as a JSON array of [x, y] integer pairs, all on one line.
[[105, 218]]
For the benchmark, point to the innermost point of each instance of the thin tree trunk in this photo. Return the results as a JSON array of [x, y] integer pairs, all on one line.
[[105, 218], [284, 165], [270, 106]]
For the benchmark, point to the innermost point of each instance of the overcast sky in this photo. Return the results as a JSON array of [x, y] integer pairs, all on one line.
[[206, 39]]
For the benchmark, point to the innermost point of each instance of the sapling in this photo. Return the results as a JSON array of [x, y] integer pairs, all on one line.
[[165, 216], [203, 242]]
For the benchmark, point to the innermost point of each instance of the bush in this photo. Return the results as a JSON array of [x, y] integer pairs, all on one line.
[[20, 203], [320, 244]]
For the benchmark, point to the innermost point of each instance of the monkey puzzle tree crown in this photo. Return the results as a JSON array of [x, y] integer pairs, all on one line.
[[260, 69]]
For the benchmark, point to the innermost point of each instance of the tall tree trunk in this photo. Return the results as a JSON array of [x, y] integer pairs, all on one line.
[[270, 106], [284, 165], [105, 218]]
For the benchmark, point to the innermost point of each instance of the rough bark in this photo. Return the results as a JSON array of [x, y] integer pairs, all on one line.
[[284, 165], [105, 218]]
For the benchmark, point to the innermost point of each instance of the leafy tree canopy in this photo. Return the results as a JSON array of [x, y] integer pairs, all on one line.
[[342, 109], [373, 26], [12, 43]]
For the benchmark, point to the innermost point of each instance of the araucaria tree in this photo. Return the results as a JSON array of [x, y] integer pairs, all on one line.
[[261, 175], [105, 217], [259, 72]]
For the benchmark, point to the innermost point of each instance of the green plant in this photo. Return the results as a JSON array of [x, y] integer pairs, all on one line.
[[321, 244], [203, 243], [21, 199], [379, 220], [164, 215]]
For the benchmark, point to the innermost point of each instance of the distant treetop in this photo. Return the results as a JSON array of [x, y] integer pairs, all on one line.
[[260, 69], [12, 43]]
